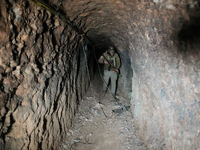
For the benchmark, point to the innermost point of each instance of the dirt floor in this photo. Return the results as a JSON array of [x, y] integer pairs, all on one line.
[[102, 123]]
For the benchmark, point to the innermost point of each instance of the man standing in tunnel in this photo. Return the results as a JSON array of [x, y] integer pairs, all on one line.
[[111, 62]]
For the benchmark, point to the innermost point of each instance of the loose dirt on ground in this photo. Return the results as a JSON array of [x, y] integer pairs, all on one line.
[[102, 123]]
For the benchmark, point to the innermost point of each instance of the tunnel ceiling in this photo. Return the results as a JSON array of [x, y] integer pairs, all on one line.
[[121, 22], [105, 22]]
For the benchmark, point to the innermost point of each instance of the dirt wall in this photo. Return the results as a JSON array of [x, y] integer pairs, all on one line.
[[165, 60], [41, 81]]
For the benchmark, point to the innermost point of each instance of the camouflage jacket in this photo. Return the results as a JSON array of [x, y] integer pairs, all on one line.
[[114, 60]]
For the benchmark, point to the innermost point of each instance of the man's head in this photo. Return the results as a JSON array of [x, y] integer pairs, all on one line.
[[111, 50]]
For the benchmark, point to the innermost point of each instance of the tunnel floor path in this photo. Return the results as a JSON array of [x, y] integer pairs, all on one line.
[[101, 123]]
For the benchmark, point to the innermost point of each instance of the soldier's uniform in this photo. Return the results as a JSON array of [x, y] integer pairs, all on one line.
[[108, 72]]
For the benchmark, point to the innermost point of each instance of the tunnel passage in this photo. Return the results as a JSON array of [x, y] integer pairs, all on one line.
[[101, 44], [43, 77]]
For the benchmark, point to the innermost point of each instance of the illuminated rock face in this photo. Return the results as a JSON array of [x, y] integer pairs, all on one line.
[[42, 78], [43, 73]]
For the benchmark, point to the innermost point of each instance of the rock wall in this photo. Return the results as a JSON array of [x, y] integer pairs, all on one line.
[[165, 62], [43, 75]]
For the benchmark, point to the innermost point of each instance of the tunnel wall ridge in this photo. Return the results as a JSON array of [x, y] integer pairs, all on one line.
[[42, 77]]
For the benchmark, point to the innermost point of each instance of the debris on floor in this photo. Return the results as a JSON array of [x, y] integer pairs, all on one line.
[[103, 124]]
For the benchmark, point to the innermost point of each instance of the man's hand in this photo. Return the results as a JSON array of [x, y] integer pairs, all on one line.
[[116, 70], [105, 62]]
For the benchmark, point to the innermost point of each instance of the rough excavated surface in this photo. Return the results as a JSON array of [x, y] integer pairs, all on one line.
[[165, 59], [41, 75]]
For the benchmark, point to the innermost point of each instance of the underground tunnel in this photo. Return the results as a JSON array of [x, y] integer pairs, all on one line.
[[49, 74]]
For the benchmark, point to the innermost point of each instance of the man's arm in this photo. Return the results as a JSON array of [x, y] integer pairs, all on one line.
[[101, 59], [118, 62]]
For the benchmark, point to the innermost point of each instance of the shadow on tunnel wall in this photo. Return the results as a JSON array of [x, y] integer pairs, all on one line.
[[189, 35], [101, 43]]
